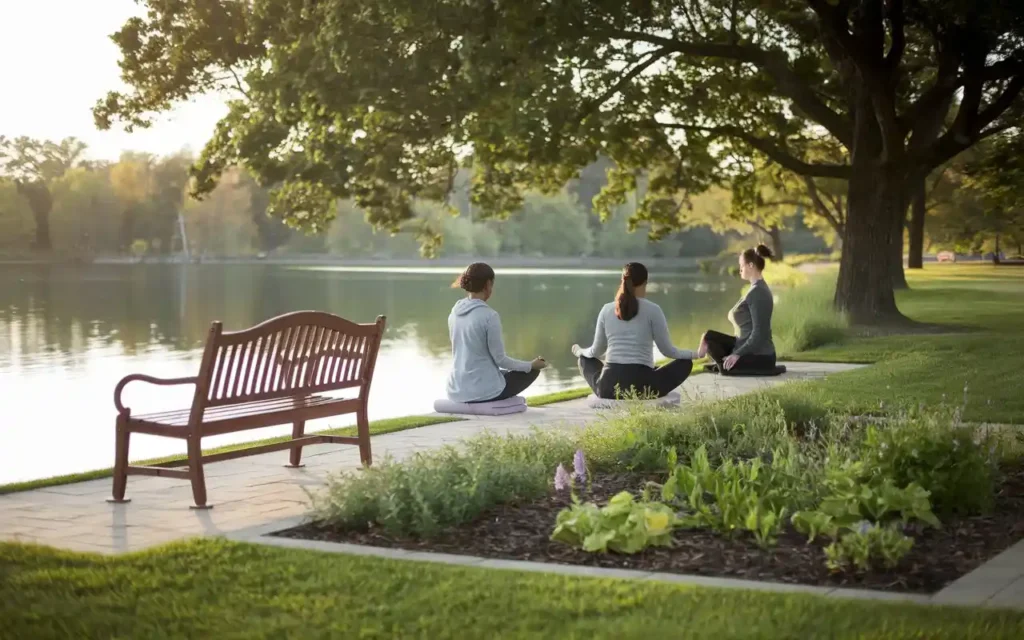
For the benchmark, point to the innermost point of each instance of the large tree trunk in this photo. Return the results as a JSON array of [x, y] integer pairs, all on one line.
[[896, 271], [915, 259], [899, 222], [876, 211], [42, 220], [41, 203], [776, 239], [995, 253]]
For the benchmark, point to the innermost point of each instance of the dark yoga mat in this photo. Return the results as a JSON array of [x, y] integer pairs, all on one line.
[[777, 371]]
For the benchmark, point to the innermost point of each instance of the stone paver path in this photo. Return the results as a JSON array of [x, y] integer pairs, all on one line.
[[258, 491]]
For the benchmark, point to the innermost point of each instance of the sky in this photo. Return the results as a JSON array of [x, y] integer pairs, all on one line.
[[57, 60]]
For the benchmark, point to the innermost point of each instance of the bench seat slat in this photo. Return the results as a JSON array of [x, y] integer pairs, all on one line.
[[179, 417]]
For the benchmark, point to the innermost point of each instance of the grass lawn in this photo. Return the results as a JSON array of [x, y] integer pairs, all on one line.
[[984, 349], [558, 396], [214, 588]]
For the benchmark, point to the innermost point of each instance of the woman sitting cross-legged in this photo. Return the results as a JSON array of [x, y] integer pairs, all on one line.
[[482, 371], [752, 348], [626, 333]]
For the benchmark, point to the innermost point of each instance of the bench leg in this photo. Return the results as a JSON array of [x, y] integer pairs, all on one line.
[[295, 454], [122, 436], [195, 472], [363, 428]]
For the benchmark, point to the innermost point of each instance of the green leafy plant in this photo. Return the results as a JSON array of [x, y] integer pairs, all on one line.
[[935, 451], [864, 513], [815, 523], [623, 525], [856, 494], [736, 496], [861, 547]]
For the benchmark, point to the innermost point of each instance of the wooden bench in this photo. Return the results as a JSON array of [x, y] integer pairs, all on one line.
[[274, 373]]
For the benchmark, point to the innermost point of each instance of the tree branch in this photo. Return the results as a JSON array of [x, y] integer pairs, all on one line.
[[758, 225], [820, 206], [838, 208], [974, 66], [786, 203], [1001, 104], [621, 83], [238, 82], [940, 92], [833, 18], [690, 21], [774, 63], [703, 19], [953, 142], [897, 21], [770, 149]]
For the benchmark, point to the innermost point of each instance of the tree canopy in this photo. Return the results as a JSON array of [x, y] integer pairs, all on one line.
[[33, 166], [382, 100]]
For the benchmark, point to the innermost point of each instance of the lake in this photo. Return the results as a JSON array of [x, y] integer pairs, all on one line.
[[68, 334]]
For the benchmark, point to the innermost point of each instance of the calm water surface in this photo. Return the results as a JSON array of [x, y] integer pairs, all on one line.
[[68, 334]]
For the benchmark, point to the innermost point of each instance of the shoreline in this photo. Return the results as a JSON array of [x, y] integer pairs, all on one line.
[[322, 260]]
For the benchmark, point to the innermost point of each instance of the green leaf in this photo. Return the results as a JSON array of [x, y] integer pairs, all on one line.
[[598, 540]]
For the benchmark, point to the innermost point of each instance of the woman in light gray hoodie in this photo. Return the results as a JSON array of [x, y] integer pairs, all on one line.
[[482, 371]]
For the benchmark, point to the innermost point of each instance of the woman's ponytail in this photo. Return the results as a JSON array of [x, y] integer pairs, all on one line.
[[627, 305]]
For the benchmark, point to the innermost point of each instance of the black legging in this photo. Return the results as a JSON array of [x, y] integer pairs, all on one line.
[[516, 382], [721, 345], [616, 380]]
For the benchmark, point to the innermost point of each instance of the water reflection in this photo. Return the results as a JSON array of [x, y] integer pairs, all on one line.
[[68, 334]]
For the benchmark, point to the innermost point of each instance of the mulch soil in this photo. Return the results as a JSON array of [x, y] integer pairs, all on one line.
[[522, 532]]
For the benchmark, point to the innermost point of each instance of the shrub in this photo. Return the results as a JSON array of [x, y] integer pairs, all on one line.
[[433, 490], [955, 463]]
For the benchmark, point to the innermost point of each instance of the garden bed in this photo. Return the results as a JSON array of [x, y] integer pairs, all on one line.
[[523, 531]]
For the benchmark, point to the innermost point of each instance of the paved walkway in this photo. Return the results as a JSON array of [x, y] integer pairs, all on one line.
[[258, 491]]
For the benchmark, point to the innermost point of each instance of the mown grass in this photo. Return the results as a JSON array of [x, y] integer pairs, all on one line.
[[217, 589], [974, 340], [558, 396]]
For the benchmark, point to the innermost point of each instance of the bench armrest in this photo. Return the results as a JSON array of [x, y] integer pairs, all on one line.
[[144, 378]]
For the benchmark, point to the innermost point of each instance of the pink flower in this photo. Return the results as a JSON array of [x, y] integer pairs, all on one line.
[[579, 466], [562, 479]]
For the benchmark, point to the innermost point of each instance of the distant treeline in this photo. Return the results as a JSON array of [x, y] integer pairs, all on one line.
[[131, 207]]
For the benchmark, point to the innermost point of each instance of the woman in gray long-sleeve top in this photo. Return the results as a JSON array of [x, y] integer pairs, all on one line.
[[752, 348], [627, 331]]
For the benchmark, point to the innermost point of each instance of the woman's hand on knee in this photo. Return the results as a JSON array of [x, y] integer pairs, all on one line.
[[576, 350], [539, 363]]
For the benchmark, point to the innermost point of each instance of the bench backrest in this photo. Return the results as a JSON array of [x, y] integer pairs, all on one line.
[[291, 355]]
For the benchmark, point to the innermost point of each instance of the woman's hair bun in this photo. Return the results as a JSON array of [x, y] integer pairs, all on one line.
[[764, 252], [474, 278]]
